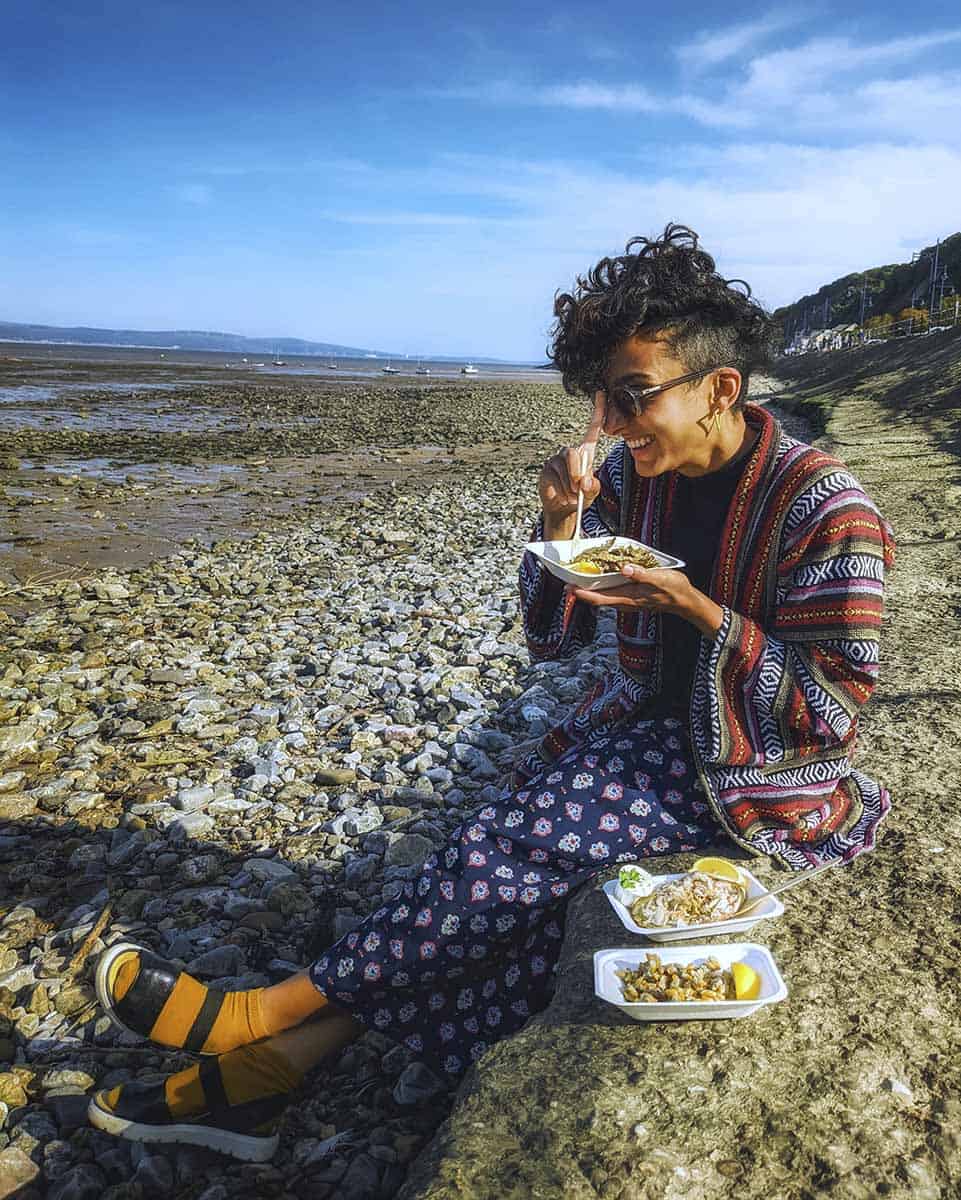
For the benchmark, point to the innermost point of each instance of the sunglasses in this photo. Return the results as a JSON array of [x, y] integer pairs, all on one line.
[[631, 402]]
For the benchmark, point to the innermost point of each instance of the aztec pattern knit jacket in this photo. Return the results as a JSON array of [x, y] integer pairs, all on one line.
[[777, 691]]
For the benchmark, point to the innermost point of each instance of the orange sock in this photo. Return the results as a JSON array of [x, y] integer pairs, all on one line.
[[197, 1017], [245, 1074]]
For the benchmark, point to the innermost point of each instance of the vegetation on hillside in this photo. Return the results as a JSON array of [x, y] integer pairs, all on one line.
[[880, 296]]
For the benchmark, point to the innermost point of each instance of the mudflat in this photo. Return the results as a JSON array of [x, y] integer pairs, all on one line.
[[115, 461]]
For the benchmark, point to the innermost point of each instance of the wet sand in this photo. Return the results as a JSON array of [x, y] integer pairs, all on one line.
[[116, 461]]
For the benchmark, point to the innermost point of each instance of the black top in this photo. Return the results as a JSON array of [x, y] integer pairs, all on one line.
[[699, 511]]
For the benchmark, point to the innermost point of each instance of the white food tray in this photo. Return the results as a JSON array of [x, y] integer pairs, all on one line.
[[608, 987], [554, 556], [771, 907]]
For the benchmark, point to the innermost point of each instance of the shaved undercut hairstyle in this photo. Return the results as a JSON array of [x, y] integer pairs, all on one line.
[[667, 286]]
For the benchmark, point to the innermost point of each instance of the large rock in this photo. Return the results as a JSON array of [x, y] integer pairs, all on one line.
[[16, 1171], [793, 1101], [18, 740]]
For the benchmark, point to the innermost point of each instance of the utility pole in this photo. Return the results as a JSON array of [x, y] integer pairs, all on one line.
[[827, 310], [864, 296], [934, 276]]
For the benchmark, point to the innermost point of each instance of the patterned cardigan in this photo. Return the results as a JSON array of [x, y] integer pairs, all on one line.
[[777, 691]]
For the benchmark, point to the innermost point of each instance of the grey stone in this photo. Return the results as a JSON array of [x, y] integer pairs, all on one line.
[[408, 851], [353, 821], [68, 1110], [395, 1060], [201, 868], [218, 962], [82, 1182], [417, 1084], [290, 899], [361, 1180], [155, 1175], [92, 854], [192, 798], [191, 825], [361, 870], [125, 847], [58, 1158], [237, 906], [475, 760], [34, 1129], [269, 868]]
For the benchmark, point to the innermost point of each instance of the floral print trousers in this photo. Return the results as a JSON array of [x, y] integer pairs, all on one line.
[[465, 955]]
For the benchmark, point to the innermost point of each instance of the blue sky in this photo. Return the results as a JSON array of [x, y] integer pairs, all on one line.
[[423, 177]]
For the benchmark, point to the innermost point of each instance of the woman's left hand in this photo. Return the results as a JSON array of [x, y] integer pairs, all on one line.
[[659, 589]]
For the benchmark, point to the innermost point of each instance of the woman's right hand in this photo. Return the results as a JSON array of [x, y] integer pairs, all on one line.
[[562, 476]]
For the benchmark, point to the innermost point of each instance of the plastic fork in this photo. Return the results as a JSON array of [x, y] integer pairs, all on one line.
[[786, 886]]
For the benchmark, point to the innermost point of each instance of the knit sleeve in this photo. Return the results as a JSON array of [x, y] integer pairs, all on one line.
[[794, 687], [555, 624]]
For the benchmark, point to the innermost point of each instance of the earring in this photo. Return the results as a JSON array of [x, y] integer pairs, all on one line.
[[717, 420]]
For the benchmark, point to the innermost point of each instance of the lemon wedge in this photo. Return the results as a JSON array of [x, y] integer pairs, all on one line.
[[720, 868], [586, 568], [747, 982]]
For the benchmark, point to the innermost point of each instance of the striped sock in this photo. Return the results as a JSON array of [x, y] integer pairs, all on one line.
[[242, 1077], [195, 1016]]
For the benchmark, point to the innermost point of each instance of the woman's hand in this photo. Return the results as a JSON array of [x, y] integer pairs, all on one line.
[[562, 476], [659, 589]]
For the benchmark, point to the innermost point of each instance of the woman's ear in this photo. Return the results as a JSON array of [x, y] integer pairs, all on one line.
[[727, 387]]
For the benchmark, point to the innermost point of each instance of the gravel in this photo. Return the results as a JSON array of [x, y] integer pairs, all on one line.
[[243, 750]]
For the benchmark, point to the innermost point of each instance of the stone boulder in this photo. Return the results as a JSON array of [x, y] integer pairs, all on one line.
[[834, 1091]]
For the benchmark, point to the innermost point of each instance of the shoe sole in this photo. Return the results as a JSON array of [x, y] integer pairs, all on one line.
[[245, 1146], [101, 986]]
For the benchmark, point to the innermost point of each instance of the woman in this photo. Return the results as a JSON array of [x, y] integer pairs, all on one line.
[[732, 713]]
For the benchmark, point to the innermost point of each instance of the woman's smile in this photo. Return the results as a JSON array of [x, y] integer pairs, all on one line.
[[640, 443]]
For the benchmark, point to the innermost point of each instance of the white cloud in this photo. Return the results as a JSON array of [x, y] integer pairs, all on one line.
[[786, 218], [826, 85], [359, 217], [711, 47], [786, 77]]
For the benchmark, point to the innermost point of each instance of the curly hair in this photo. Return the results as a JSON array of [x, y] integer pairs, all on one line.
[[665, 285]]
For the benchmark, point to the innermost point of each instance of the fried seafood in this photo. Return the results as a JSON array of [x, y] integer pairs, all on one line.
[[600, 560], [694, 899], [654, 982]]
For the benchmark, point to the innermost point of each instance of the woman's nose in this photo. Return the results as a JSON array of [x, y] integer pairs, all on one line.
[[613, 421]]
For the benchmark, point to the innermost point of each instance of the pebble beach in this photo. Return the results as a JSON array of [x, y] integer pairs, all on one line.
[[231, 753], [239, 708]]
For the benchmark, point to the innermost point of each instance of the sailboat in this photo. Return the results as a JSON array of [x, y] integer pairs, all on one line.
[[469, 369], [421, 369], [389, 370]]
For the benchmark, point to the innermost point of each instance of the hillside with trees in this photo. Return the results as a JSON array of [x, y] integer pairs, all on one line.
[[884, 301]]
